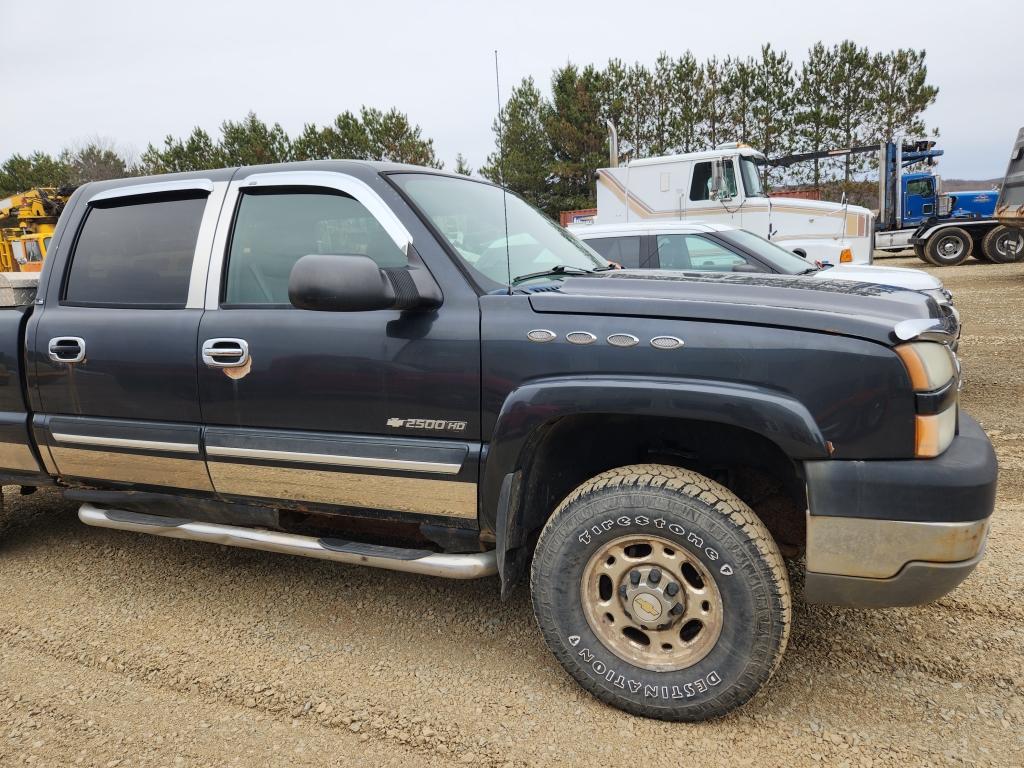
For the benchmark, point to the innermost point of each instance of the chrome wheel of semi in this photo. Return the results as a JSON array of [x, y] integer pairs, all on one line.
[[651, 604]]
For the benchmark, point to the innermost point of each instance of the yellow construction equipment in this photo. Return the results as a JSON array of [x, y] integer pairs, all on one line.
[[27, 221]]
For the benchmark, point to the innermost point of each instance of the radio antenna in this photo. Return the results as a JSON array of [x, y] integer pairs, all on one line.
[[501, 168]]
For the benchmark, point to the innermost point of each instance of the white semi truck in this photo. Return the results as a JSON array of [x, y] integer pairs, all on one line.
[[723, 186]]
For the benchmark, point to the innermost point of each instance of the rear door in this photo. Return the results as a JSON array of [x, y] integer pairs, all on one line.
[[375, 410], [115, 343]]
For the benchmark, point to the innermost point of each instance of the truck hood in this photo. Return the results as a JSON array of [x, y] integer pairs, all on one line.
[[818, 205], [863, 310], [899, 277]]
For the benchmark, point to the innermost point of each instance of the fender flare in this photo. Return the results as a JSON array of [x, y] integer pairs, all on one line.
[[532, 408]]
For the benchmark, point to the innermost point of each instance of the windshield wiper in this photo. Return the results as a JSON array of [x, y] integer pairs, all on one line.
[[561, 269]]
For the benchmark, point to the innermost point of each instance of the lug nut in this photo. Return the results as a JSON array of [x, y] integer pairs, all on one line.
[[676, 609], [654, 576], [634, 577], [622, 591], [671, 589]]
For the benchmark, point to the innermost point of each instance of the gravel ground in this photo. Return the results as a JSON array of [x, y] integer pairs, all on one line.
[[120, 650]]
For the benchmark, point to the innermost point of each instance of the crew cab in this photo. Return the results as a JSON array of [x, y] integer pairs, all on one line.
[[395, 367]]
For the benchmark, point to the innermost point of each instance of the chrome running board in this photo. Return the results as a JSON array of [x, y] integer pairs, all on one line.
[[469, 566]]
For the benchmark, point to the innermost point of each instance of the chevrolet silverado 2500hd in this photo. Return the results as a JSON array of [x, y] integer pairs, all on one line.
[[396, 367]]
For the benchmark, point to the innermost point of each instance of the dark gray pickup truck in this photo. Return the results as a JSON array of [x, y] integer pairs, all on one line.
[[373, 364]]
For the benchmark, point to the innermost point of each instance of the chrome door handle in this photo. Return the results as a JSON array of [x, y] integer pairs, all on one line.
[[225, 353], [66, 349]]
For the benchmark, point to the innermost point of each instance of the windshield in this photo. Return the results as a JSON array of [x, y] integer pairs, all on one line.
[[471, 216], [782, 261], [751, 178]]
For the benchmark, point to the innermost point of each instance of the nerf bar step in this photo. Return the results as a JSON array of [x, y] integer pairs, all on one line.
[[466, 566]]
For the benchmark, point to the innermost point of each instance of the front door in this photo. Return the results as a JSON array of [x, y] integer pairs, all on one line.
[[918, 200], [375, 410], [114, 345], [705, 204]]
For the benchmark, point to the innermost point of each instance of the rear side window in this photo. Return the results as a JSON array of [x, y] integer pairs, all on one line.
[[274, 230], [622, 250], [135, 253]]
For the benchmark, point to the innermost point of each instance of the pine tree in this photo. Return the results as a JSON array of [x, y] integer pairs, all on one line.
[[714, 101], [253, 142], [851, 102], [196, 153], [685, 89], [900, 94], [522, 156], [772, 109], [20, 173], [815, 124], [738, 84], [462, 165], [578, 139]]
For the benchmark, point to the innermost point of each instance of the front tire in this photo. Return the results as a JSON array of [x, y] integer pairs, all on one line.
[[661, 593], [948, 247], [1003, 245]]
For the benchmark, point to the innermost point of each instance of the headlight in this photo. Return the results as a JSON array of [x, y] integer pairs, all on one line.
[[932, 370], [929, 364]]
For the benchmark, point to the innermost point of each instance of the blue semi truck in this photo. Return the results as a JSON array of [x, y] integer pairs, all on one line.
[[913, 211]]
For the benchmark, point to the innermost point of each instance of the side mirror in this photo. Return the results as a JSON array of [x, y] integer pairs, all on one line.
[[340, 284], [718, 190], [745, 268]]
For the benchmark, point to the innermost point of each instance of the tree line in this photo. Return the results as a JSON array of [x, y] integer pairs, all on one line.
[[372, 134], [548, 146]]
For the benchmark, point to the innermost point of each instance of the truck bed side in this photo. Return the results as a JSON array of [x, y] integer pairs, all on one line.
[[19, 459]]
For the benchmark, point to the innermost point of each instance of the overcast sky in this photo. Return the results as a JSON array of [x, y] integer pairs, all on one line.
[[136, 71]]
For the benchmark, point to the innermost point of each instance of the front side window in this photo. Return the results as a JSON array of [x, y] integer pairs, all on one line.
[[135, 252], [919, 187], [32, 251], [694, 253], [470, 215], [273, 230], [782, 262], [700, 185], [624, 251], [751, 178]]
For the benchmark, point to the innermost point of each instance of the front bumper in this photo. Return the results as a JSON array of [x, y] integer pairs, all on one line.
[[887, 533]]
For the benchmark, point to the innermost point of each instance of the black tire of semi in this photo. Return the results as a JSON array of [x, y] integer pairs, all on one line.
[[712, 524], [919, 252], [934, 249], [995, 245]]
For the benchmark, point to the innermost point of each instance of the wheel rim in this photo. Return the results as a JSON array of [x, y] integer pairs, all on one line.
[[651, 603], [1009, 244], [949, 247]]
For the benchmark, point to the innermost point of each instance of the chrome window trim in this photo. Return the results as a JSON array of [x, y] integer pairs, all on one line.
[[342, 182], [154, 188], [363, 462], [123, 442]]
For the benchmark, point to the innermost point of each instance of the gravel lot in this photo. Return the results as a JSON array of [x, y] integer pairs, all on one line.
[[121, 649]]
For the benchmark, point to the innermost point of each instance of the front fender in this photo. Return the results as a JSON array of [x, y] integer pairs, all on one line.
[[532, 408]]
